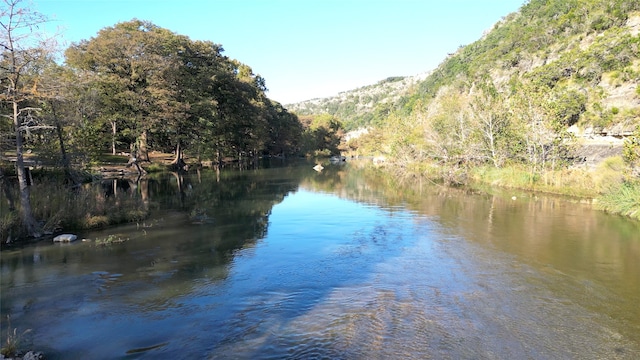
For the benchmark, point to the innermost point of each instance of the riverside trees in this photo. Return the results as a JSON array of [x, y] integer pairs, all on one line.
[[135, 86], [161, 89]]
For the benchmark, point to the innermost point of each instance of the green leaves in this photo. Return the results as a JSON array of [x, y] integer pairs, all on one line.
[[178, 92], [631, 149]]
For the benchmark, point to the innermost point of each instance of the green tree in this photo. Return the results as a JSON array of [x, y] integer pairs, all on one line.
[[323, 134], [130, 63], [492, 126]]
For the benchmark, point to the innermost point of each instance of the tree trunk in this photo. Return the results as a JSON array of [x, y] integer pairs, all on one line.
[[178, 157], [178, 163], [66, 164], [114, 129], [143, 152], [26, 215]]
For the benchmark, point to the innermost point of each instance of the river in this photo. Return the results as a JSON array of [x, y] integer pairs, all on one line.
[[282, 261]]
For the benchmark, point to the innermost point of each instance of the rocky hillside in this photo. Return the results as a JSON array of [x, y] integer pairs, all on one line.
[[362, 106], [577, 61]]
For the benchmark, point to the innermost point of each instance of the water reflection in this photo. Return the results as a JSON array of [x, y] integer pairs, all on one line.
[[346, 263]]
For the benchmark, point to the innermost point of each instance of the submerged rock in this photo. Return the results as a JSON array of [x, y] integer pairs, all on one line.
[[65, 238]]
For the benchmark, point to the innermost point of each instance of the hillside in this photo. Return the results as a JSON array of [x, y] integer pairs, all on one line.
[[582, 56], [363, 106]]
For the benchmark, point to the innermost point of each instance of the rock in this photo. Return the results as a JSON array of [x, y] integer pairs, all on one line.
[[32, 355], [65, 238]]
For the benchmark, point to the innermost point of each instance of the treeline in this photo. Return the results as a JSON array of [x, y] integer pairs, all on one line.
[[140, 87], [134, 88]]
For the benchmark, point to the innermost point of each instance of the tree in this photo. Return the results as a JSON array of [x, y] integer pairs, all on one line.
[[23, 51], [130, 64], [285, 131], [322, 134], [492, 124]]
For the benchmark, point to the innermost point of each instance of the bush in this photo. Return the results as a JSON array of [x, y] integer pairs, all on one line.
[[623, 200], [609, 174], [631, 149]]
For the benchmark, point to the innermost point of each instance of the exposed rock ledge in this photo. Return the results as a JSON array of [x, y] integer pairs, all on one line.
[[595, 145]]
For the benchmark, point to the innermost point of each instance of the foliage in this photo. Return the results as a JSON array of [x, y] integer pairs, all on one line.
[[631, 149], [110, 240], [162, 87], [322, 135], [13, 341], [570, 182], [623, 199]]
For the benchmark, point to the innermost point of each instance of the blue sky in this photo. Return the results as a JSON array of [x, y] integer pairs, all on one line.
[[303, 48]]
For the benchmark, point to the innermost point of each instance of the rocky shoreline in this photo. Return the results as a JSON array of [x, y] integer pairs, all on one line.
[[29, 355]]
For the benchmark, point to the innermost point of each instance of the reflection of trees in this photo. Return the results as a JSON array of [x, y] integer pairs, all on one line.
[[221, 212], [541, 230], [550, 229], [168, 247]]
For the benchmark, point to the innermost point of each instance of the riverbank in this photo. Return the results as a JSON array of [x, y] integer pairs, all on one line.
[[606, 183]]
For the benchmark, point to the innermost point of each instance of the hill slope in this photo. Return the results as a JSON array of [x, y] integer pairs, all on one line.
[[570, 62], [363, 106]]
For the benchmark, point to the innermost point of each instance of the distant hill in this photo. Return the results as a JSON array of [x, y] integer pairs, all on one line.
[[363, 106]]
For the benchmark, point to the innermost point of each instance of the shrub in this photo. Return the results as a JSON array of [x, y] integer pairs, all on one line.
[[631, 149], [623, 200]]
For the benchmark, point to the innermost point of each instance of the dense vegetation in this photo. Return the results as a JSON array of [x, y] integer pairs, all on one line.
[[133, 89]]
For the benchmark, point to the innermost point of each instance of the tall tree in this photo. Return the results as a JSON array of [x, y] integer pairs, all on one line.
[[492, 124], [130, 62], [23, 50]]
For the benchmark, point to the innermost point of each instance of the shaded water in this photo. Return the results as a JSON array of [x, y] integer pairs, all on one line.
[[285, 262]]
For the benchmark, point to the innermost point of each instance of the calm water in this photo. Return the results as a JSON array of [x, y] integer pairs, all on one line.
[[284, 262]]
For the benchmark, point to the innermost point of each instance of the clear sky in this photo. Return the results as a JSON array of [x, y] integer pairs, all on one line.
[[303, 48]]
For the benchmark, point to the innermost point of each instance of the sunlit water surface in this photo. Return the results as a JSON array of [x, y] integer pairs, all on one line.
[[288, 263]]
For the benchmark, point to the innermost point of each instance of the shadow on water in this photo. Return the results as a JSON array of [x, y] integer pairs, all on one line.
[[217, 269]]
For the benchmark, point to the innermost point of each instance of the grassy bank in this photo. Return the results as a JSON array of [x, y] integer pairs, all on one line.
[[623, 200], [60, 207], [609, 186]]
